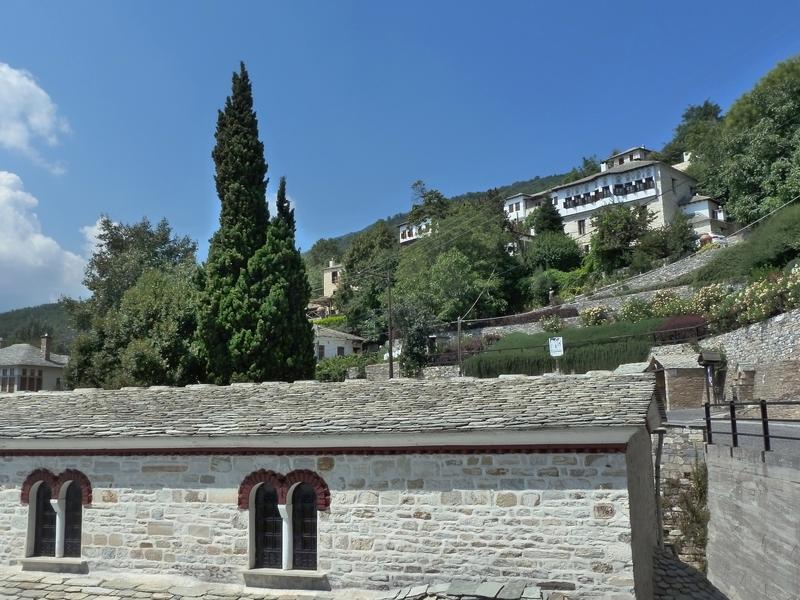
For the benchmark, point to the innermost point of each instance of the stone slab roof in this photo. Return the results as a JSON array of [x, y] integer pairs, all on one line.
[[312, 409], [320, 331], [679, 356], [26, 355]]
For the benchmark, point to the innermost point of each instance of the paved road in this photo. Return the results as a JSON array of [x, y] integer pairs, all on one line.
[[721, 427]]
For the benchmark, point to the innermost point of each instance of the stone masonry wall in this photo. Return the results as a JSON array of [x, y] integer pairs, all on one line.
[[683, 445], [772, 347], [560, 521], [753, 535]]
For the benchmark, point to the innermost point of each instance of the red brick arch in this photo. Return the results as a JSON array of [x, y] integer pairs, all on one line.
[[255, 478], [312, 479], [35, 477], [79, 479]]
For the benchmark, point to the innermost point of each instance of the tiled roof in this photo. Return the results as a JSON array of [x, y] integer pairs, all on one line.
[[679, 356], [628, 166], [25, 355], [353, 407], [319, 330]]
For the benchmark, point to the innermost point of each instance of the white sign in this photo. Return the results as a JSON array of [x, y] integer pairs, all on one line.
[[556, 347]]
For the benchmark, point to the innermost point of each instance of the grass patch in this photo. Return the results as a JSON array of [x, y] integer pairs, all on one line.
[[585, 349], [772, 246]]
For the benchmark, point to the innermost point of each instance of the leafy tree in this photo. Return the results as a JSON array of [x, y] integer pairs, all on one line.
[[225, 317], [123, 253], [754, 160], [545, 218], [465, 254], [589, 166], [617, 229], [130, 302], [369, 266], [697, 124], [414, 325], [672, 241], [551, 250], [276, 340], [144, 341], [432, 204]]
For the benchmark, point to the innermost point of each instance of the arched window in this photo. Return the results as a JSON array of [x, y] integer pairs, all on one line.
[[44, 516], [55, 512], [267, 528], [73, 517], [304, 527]]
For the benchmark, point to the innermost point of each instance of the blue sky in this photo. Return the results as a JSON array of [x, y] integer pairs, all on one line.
[[356, 100]]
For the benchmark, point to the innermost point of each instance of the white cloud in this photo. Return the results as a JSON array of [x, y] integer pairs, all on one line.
[[91, 237], [34, 267], [28, 117]]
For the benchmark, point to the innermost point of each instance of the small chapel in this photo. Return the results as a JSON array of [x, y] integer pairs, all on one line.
[[323, 486]]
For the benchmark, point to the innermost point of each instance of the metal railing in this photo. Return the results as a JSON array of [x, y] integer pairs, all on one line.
[[730, 414]]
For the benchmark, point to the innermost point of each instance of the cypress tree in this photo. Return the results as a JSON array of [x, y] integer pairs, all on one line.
[[244, 219], [280, 346]]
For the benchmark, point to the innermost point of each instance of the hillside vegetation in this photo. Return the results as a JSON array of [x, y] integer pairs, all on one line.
[[26, 326]]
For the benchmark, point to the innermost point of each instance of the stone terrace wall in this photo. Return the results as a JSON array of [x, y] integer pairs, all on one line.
[[753, 535], [773, 348], [658, 276], [683, 445], [559, 521]]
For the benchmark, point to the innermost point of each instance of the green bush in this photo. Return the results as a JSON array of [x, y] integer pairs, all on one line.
[[552, 250], [773, 245], [336, 367], [539, 286], [334, 321]]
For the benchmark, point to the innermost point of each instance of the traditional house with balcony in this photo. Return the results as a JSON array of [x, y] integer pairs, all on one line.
[[410, 232]]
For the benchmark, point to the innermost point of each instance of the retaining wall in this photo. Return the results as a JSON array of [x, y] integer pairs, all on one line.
[[754, 532]]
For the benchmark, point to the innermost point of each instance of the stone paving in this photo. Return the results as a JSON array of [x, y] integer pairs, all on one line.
[[114, 586], [675, 580]]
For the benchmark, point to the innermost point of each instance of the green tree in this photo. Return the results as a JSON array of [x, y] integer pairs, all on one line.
[[589, 166], [145, 340], [551, 250], [369, 266], [414, 326], [428, 204], [754, 160], [545, 218], [672, 241], [276, 342], [225, 320], [617, 229], [699, 121]]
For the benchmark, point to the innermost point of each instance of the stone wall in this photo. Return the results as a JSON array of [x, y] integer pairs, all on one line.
[[686, 388], [559, 521], [772, 347], [380, 372], [682, 446], [753, 535]]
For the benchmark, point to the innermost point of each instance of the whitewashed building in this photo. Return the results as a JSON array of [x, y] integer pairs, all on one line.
[[332, 342], [539, 480], [410, 232]]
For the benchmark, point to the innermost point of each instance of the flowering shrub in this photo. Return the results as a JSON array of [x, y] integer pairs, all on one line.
[[552, 324], [760, 300], [706, 299], [666, 303], [596, 315], [635, 310]]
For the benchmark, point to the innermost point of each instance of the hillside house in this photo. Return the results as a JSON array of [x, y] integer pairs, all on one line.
[[546, 480], [24, 367], [332, 342], [627, 178], [331, 279], [410, 232]]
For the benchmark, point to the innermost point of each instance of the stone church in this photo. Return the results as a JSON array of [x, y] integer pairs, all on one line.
[[545, 480]]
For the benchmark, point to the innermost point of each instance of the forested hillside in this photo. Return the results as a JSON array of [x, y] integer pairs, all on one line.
[[26, 325]]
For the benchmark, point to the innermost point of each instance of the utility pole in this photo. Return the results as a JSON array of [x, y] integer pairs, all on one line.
[[391, 334], [460, 371]]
